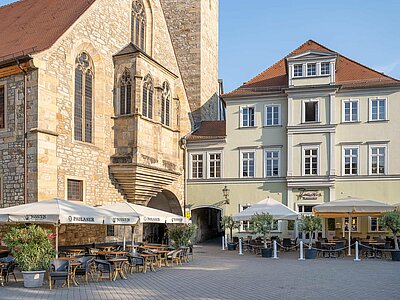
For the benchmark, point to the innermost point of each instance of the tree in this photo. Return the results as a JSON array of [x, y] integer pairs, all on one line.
[[263, 224], [391, 220], [310, 224], [228, 223]]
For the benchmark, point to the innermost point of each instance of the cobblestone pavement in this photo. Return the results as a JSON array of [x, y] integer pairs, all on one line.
[[216, 274]]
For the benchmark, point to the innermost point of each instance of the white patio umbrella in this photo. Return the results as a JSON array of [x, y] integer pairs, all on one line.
[[146, 214], [278, 211], [351, 207], [57, 211]]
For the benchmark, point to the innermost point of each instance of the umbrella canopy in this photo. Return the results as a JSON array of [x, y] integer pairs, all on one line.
[[351, 206], [56, 211], [146, 214], [278, 211]]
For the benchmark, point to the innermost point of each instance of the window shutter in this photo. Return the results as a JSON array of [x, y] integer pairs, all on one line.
[[78, 105], [150, 109], [167, 111], [144, 100]]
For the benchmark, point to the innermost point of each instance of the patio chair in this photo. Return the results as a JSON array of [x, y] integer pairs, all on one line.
[[175, 256], [103, 266], [338, 250], [287, 244], [8, 268], [86, 267], [135, 261], [59, 270], [184, 254]]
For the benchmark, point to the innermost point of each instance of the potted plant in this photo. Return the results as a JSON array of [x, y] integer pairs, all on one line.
[[263, 224], [310, 224], [181, 234], [33, 249], [391, 220], [228, 223]]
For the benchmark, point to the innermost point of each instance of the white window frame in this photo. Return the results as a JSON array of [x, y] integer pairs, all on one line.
[[241, 163], [242, 108], [358, 224], [329, 68], [370, 224], [209, 164], [191, 165], [351, 101], [294, 71], [305, 204], [386, 166], [272, 105], [370, 109], [279, 161], [304, 110], [346, 147], [303, 159], [316, 71]]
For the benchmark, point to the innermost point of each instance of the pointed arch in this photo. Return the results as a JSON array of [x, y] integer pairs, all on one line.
[[138, 24], [125, 93], [147, 97], [83, 98], [165, 103]]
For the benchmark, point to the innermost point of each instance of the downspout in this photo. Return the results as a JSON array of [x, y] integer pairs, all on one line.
[[25, 133]]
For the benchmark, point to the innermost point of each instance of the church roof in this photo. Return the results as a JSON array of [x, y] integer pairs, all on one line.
[[30, 26], [209, 130], [349, 73]]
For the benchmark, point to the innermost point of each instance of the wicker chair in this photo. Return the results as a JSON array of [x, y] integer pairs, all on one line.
[[59, 270]]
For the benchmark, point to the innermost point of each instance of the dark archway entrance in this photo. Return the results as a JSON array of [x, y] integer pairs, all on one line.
[[208, 221], [166, 201]]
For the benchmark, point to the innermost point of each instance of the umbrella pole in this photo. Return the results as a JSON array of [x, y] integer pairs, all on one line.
[[57, 240], [350, 224], [124, 238]]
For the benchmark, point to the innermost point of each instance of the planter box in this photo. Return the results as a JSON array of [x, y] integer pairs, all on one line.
[[266, 252], [310, 253], [33, 279], [396, 255], [231, 246]]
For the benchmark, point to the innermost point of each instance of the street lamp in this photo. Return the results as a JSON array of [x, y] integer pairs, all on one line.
[[225, 192]]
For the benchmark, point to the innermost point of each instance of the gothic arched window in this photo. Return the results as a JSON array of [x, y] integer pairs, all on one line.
[[165, 103], [147, 99], [138, 25], [83, 111], [125, 95]]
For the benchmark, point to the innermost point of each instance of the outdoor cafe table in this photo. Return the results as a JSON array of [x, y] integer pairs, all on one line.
[[106, 248], [74, 252], [118, 267], [377, 248], [163, 257], [74, 265], [113, 253], [149, 260], [330, 246]]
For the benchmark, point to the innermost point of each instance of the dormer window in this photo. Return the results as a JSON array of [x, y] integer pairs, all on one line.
[[297, 70], [311, 69], [325, 68]]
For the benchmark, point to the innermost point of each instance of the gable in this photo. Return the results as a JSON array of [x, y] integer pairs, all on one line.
[[349, 73], [30, 26]]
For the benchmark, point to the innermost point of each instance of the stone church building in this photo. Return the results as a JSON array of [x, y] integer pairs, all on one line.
[[95, 96]]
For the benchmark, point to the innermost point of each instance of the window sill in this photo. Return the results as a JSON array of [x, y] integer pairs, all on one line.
[[350, 122], [123, 116], [247, 127], [311, 122], [272, 126], [378, 121]]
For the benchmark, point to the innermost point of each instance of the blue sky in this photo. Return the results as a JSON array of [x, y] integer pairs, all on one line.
[[254, 34]]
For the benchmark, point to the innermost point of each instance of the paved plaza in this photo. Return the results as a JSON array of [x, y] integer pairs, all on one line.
[[216, 274]]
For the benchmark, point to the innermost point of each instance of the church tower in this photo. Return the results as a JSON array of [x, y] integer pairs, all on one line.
[[193, 27]]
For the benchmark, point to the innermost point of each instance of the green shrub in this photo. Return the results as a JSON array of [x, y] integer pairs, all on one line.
[[391, 220], [263, 224], [31, 246], [181, 234], [310, 224], [227, 222]]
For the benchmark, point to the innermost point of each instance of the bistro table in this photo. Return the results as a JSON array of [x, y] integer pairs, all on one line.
[[114, 253], [74, 252], [73, 266], [330, 246], [149, 261], [118, 263], [106, 248], [163, 257], [377, 248]]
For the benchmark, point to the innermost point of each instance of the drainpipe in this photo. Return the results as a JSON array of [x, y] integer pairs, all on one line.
[[184, 148], [25, 133]]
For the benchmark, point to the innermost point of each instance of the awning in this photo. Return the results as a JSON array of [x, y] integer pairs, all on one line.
[[278, 211]]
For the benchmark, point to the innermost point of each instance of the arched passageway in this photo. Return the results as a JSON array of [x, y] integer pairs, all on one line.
[[208, 221]]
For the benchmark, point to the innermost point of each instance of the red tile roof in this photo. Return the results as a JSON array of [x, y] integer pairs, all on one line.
[[348, 74], [209, 130], [29, 26]]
